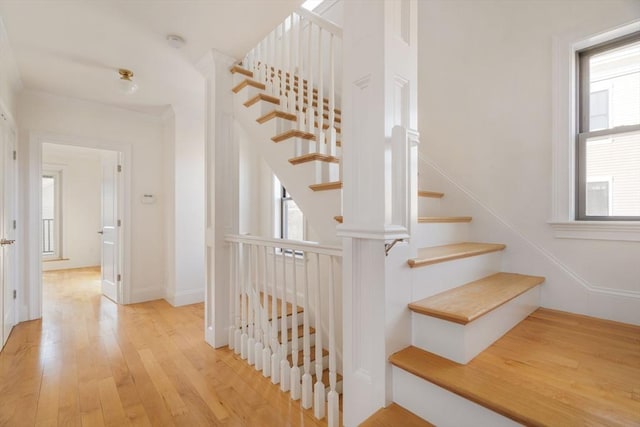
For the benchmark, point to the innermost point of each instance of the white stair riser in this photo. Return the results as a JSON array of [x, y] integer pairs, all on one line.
[[461, 343], [433, 279], [441, 407], [436, 234], [294, 178], [429, 206]]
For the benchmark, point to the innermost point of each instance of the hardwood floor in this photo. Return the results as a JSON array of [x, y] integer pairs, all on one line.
[[89, 362]]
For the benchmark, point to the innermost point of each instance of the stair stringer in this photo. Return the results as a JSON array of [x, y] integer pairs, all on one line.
[[318, 207]]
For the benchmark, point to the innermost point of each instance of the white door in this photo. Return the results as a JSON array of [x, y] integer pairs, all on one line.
[[110, 227], [8, 260]]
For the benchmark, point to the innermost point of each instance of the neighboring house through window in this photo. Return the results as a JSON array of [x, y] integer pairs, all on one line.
[[608, 137]]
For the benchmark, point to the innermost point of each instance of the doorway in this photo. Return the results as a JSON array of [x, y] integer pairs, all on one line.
[[80, 215]]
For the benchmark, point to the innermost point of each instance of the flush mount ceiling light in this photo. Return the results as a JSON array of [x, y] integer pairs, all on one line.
[[175, 41], [125, 83]]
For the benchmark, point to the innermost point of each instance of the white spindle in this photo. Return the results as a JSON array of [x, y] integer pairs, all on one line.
[[307, 387], [321, 142], [285, 368], [275, 345], [266, 341], [310, 109], [259, 330], [318, 389], [332, 99], [251, 342], [232, 302], [300, 84], [245, 307], [284, 59], [332, 397], [295, 370], [237, 341]]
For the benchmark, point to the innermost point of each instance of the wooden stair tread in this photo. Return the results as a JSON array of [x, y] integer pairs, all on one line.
[[338, 218], [276, 113], [547, 371], [436, 254], [300, 333], [313, 157], [312, 355], [468, 302], [293, 133], [335, 185], [432, 194], [237, 69], [289, 307], [395, 415], [248, 82], [443, 219], [262, 97]]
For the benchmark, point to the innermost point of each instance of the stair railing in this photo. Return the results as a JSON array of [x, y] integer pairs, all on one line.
[[272, 281], [297, 62]]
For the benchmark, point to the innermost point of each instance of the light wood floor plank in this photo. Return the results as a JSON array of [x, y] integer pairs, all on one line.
[[89, 362]]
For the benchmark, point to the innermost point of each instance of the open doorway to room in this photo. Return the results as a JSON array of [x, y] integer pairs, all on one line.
[[80, 224]]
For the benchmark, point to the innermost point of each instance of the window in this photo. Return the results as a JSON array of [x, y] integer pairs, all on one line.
[[291, 218], [608, 131], [51, 224]]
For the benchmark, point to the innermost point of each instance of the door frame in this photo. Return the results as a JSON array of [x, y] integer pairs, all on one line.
[[33, 300]]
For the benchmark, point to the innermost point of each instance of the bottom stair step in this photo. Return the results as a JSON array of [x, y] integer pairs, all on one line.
[[553, 369], [395, 415]]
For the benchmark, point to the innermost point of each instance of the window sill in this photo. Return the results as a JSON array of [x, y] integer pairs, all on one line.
[[626, 231]]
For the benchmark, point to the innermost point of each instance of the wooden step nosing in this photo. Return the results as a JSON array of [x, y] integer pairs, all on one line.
[[262, 97], [276, 114], [324, 186], [419, 307], [416, 262], [293, 133], [248, 82], [443, 219], [313, 157], [431, 194]]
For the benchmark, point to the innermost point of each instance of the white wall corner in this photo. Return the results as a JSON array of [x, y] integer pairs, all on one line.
[[186, 297]]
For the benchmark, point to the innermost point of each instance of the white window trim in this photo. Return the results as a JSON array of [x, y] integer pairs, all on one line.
[[563, 147], [56, 171]]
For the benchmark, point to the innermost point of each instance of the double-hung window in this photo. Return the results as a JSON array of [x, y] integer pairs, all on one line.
[[608, 131]]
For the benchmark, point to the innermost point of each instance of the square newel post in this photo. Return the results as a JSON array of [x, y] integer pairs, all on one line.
[[379, 93], [221, 192]]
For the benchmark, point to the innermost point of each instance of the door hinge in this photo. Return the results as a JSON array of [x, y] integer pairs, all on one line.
[[119, 278], [119, 168], [14, 224], [15, 154], [15, 294], [119, 223]]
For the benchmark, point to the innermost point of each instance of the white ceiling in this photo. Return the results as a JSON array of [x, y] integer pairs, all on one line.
[[75, 47]]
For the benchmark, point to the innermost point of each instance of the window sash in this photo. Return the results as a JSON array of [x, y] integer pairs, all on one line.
[[583, 124]]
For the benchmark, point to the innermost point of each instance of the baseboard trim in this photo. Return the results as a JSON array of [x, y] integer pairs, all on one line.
[[146, 294], [189, 296]]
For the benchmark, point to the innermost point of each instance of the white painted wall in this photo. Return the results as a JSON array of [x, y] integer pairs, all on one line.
[[10, 82], [485, 102], [81, 186], [50, 114], [184, 182]]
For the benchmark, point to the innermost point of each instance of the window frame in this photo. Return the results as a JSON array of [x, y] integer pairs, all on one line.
[[56, 175], [582, 125]]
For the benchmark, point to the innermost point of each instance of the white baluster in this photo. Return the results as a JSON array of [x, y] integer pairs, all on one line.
[[285, 368], [266, 351], [310, 109], [321, 142], [300, 85], [237, 340], [318, 389], [232, 302], [245, 303], [293, 42], [259, 329], [275, 345], [284, 58], [332, 100], [307, 387], [251, 342], [295, 370], [332, 397]]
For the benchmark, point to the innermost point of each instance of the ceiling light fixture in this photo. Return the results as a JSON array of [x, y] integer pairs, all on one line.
[[175, 41], [125, 83]]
